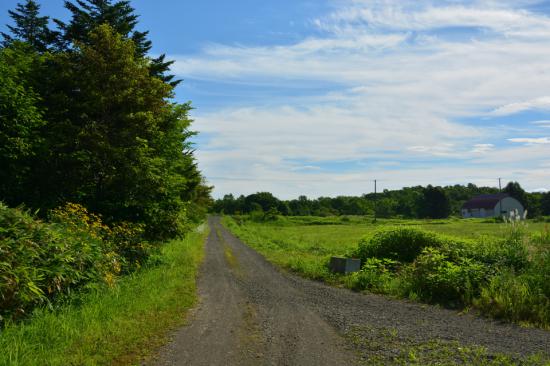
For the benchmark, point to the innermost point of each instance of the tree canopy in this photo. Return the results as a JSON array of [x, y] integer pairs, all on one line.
[[87, 117], [408, 202]]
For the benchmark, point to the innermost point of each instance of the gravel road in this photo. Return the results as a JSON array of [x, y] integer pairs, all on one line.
[[251, 313]]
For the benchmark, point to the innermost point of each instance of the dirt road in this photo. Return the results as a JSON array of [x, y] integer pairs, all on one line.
[[250, 313]]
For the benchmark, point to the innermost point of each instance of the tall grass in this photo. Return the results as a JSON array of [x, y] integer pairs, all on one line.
[[111, 325]]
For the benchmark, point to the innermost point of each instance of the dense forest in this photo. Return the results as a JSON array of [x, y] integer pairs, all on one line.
[[86, 116], [97, 167], [409, 202]]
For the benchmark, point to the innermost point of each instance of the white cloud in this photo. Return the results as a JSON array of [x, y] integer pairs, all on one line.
[[544, 123], [538, 103], [428, 15], [531, 140], [306, 168], [482, 148], [398, 88]]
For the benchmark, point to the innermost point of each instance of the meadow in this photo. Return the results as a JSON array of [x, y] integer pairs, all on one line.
[[501, 269]]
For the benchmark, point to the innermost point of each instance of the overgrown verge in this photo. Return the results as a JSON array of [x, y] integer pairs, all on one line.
[[502, 277], [45, 263], [110, 325], [505, 278]]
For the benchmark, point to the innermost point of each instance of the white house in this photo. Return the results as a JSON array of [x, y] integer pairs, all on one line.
[[491, 205]]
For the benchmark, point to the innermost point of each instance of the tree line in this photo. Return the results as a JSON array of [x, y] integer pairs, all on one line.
[[408, 202], [87, 116]]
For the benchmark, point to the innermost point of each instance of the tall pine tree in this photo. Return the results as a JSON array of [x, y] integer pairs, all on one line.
[[29, 27], [89, 14], [116, 142]]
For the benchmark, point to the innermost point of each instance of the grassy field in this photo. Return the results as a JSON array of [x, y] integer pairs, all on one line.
[[498, 268], [304, 243], [112, 326]]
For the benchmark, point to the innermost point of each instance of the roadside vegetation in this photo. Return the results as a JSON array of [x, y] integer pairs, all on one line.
[[502, 273], [99, 188], [111, 325]]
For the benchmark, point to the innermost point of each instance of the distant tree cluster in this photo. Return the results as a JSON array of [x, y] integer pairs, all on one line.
[[86, 116], [410, 202]]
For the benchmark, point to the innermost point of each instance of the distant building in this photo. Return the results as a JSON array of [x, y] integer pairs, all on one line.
[[491, 205]]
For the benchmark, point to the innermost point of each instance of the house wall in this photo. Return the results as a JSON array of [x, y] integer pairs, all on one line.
[[480, 213], [509, 204]]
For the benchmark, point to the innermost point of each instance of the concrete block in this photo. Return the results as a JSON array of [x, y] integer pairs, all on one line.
[[344, 265]]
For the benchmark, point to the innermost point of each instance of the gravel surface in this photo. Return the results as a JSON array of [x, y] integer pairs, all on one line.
[[251, 313]]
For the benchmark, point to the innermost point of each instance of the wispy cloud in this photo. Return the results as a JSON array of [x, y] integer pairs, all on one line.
[[531, 140], [544, 123], [399, 87], [482, 148], [538, 103]]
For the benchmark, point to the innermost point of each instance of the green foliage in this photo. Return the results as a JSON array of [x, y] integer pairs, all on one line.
[[44, 262], [29, 27], [86, 116], [399, 243], [118, 146], [545, 204], [476, 269], [517, 298], [434, 203], [20, 119], [41, 262], [87, 15], [376, 275], [115, 325], [433, 277]]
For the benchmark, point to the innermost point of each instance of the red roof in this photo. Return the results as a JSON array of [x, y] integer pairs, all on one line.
[[486, 201]]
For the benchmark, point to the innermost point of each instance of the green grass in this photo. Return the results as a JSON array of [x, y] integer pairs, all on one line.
[[112, 326], [304, 245], [301, 243], [472, 262]]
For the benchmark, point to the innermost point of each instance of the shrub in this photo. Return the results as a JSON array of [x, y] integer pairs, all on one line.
[[516, 298], [375, 275], [434, 277], [402, 244], [40, 262], [127, 240], [494, 253]]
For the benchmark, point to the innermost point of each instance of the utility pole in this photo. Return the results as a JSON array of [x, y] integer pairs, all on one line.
[[500, 201], [375, 200]]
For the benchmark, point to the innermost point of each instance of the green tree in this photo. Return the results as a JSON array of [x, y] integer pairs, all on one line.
[[29, 27], [20, 121], [434, 203], [545, 203], [265, 200], [385, 207], [116, 143], [514, 190], [86, 15]]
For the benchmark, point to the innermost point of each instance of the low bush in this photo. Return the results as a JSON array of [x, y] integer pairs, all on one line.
[[433, 277], [400, 243], [40, 262], [441, 269], [376, 275], [517, 298], [43, 262]]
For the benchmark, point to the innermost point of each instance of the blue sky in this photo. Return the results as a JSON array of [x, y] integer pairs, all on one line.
[[321, 97]]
